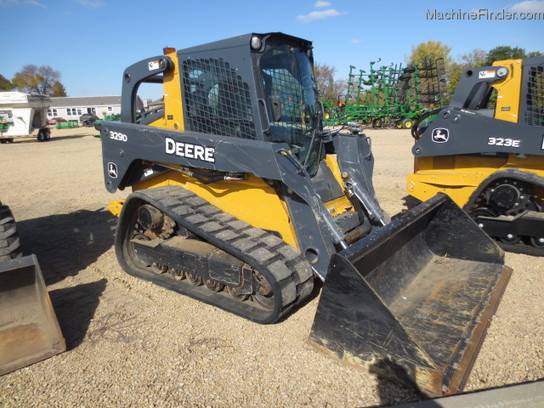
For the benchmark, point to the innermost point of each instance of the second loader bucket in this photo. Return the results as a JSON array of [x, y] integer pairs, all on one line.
[[29, 331], [412, 301]]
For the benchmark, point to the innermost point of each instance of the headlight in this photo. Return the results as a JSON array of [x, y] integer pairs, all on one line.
[[256, 42]]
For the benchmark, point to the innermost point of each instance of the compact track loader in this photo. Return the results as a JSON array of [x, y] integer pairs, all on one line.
[[486, 151], [240, 199]]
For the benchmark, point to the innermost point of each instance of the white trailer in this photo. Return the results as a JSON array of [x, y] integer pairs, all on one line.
[[21, 114]]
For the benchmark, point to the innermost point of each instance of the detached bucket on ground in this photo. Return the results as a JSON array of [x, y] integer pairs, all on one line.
[[29, 330], [413, 300]]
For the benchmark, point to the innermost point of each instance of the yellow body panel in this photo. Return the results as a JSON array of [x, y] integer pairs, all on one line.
[[459, 176], [173, 108], [341, 204], [508, 91], [115, 207], [332, 163], [251, 200]]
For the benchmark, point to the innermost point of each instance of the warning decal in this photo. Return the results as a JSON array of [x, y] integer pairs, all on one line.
[[152, 65], [486, 74]]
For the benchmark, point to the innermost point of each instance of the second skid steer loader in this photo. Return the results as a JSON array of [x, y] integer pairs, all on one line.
[[486, 151], [240, 198]]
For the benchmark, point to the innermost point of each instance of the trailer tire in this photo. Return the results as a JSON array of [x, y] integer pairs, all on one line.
[[10, 246], [44, 134]]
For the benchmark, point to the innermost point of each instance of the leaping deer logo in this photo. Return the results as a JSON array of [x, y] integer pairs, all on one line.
[[440, 135], [112, 170]]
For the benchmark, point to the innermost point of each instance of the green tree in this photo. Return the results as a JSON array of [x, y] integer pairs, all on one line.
[[5, 84], [33, 78], [429, 53], [431, 50], [505, 52]]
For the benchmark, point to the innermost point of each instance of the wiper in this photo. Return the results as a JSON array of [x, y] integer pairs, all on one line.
[[316, 125], [329, 133], [310, 148]]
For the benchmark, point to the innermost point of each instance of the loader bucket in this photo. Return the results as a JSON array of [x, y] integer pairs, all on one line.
[[412, 301], [29, 331]]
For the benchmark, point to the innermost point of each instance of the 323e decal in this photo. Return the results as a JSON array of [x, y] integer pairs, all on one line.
[[501, 141]]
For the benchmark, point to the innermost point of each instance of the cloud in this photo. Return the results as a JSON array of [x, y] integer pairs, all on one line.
[[318, 15], [319, 4], [91, 3], [356, 41], [529, 6], [35, 3]]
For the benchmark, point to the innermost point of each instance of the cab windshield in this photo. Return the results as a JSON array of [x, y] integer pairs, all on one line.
[[291, 99]]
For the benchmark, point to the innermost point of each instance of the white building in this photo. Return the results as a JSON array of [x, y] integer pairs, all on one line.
[[71, 108]]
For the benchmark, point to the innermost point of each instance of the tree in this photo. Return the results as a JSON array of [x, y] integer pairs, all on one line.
[[5, 84], [429, 53], [476, 58], [431, 50], [329, 89], [36, 79], [505, 52], [58, 89], [454, 77]]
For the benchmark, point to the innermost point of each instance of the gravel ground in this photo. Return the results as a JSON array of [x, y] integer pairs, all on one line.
[[131, 343]]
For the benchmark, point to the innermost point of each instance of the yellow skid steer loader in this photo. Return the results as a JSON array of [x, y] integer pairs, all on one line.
[[240, 199], [486, 151]]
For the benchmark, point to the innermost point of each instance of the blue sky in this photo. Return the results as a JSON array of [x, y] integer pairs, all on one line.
[[91, 42]]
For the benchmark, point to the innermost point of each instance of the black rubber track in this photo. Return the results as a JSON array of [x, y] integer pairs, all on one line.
[[514, 174], [288, 272]]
